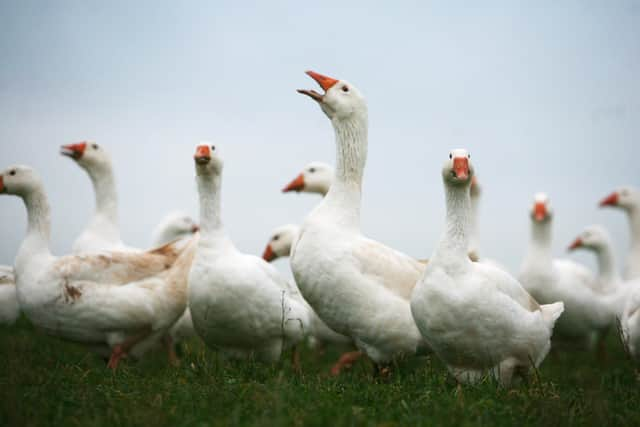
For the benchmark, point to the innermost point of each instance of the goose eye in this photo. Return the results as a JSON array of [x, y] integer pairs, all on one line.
[[450, 156], [468, 156], [312, 170], [94, 146], [213, 148], [345, 88], [12, 172], [276, 237]]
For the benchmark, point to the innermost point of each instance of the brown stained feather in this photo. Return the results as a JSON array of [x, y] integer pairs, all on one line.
[[473, 256], [71, 293], [119, 268]]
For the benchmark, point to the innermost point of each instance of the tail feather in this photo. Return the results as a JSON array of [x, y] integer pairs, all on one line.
[[551, 312]]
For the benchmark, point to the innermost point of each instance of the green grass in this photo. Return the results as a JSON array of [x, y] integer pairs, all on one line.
[[44, 381]]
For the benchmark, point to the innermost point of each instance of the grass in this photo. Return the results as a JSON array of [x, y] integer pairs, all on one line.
[[44, 381]]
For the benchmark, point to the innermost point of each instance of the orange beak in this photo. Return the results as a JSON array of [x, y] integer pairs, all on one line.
[[1, 184], [295, 185], [576, 244], [75, 151], [610, 200], [203, 154], [268, 254], [461, 167], [195, 228], [540, 211], [325, 83]]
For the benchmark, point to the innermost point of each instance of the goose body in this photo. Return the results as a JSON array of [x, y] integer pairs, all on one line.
[[586, 314], [628, 199], [477, 318], [621, 297], [9, 307], [116, 300], [102, 233], [239, 303], [359, 287]]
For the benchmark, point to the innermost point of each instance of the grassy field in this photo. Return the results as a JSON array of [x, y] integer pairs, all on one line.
[[47, 382]]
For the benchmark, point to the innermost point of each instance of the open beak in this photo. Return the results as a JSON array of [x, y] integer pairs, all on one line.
[[75, 151], [610, 200], [325, 83], [195, 228], [461, 167], [576, 244], [295, 185], [540, 212], [1, 184], [268, 254], [203, 155]]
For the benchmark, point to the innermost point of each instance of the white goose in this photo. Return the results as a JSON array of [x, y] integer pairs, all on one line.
[[239, 303], [177, 225], [316, 177], [103, 232], [595, 238], [620, 296], [477, 318], [9, 307], [586, 315], [121, 300], [628, 199], [358, 286]]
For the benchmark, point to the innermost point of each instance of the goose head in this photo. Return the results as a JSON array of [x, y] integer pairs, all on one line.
[[340, 100], [627, 198], [19, 181], [594, 237], [174, 226], [280, 242], [208, 160], [316, 177], [541, 211], [458, 170], [87, 155]]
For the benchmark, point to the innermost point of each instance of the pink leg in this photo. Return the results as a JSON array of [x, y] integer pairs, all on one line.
[[345, 361], [120, 351], [117, 353]]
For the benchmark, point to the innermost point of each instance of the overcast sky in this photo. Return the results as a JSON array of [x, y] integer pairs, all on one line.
[[545, 95]]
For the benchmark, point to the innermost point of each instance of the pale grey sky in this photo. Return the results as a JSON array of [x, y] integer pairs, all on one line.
[[544, 94]]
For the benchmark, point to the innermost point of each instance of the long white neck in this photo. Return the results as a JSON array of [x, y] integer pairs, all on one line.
[[634, 225], [209, 186], [39, 223], [344, 195], [453, 247], [607, 268], [104, 187], [474, 239], [539, 253]]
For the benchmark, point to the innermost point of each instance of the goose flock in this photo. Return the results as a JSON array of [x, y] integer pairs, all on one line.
[[350, 291]]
